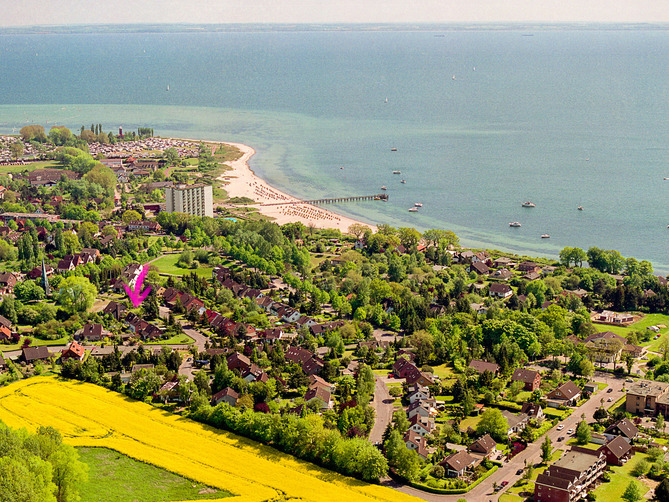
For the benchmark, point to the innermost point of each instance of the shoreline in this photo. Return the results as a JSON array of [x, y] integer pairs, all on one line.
[[241, 181]]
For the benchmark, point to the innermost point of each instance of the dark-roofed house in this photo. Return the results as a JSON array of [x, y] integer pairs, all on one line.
[[90, 333], [457, 463], [321, 394], [30, 354], [533, 410], [500, 290], [617, 451], [624, 428], [481, 366], [516, 422], [226, 395], [116, 310], [566, 394], [416, 442], [530, 378], [484, 445], [5, 322], [570, 477], [479, 267], [237, 361]]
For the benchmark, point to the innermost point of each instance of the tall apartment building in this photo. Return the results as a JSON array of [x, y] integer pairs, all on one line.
[[195, 199]]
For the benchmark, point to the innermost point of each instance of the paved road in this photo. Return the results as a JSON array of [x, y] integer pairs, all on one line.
[[383, 407], [532, 454]]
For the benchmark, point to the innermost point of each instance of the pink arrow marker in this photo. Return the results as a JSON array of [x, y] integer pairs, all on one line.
[[137, 296]]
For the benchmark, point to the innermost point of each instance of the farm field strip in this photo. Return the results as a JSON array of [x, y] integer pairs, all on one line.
[[88, 415]]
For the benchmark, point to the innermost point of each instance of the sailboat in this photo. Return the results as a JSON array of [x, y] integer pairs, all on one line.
[[168, 87]]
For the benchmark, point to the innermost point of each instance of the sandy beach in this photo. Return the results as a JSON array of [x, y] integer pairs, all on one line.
[[241, 181]]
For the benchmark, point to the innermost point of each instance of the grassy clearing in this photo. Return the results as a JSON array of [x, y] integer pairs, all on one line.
[[620, 478], [176, 339], [168, 265], [444, 372], [114, 477], [469, 422], [29, 167]]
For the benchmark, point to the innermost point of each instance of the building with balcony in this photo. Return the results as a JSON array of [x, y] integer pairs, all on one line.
[[197, 199], [571, 477]]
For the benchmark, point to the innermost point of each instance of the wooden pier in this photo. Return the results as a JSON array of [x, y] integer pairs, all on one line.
[[332, 200]]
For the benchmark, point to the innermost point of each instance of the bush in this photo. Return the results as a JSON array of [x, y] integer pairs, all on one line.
[[438, 472], [640, 468]]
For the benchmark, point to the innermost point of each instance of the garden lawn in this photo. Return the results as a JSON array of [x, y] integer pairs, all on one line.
[[114, 477], [167, 264], [510, 497], [443, 371], [182, 339], [469, 422], [620, 478]]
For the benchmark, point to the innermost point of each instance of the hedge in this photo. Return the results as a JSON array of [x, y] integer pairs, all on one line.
[[454, 491]]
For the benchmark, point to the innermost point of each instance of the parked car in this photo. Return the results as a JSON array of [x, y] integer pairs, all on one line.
[[609, 400], [561, 438], [629, 380], [570, 431], [519, 472], [560, 427], [504, 483], [610, 389]]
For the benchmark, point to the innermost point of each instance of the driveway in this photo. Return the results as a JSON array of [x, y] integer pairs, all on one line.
[[383, 407]]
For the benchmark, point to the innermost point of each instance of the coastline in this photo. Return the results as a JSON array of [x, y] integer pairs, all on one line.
[[241, 181]]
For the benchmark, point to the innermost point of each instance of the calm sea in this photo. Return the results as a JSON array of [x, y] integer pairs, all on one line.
[[482, 120]]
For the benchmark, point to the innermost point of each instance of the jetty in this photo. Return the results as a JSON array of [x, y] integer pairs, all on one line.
[[332, 200]]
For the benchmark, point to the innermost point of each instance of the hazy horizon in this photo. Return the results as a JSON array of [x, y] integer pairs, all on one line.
[[78, 12]]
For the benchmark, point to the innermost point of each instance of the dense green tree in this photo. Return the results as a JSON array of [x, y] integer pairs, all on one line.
[[583, 433], [632, 492], [75, 294], [493, 422]]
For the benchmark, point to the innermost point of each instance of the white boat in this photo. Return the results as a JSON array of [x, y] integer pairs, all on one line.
[[383, 188], [453, 77], [397, 172], [514, 224], [580, 208], [393, 149], [418, 204], [413, 209], [529, 204], [386, 100], [665, 179], [168, 87], [403, 181], [545, 236]]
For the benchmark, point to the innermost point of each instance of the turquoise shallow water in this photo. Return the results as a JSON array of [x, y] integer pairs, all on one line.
[[482, 121]]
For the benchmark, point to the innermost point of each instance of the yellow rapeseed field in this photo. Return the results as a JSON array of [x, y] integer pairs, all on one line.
[[88, 415]]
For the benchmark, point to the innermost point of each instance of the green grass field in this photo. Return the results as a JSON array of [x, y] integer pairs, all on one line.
[[168, 265], [620, 478], [114, 477], [29, 167], [176, 339]]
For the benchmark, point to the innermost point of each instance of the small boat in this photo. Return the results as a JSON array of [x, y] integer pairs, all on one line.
[[386, 100], [665, 179], [341, 168], [545, 236], [384, 188], [413, 209], [403, 181], [393, 149], [168, 87], [514, 224], [397, 172], [453, 77], [418, 204], [580, 208], [529, 204]]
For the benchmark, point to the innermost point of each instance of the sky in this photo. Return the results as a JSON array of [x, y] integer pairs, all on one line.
[[57, 12]]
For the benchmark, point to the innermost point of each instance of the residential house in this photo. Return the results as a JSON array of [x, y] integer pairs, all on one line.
[[500, 290], [90, 333], [458, 463], [530, 378], [7, 335], [479, 267], [116, 310], [485, 445], [32, 354], [237, 361], [648, 397], [623, 428], [226, 395], [482, 366], [528, 266], [254, 373], [566, 394], [503, 262], [417, 392], [570, 477], [5, 322], [421, 408], [73, 351], [608, 317], [421, 425], [516, 422], [3, 364], [7, 282], [617, 451], [532, 410], [318, 393], [503, 274], [416, 442]]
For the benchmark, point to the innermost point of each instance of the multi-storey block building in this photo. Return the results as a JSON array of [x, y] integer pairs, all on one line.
[[195, 199]]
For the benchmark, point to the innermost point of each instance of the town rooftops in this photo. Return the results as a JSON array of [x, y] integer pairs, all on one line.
[[484, 444], [459, 461], [578, 459], [524, 375], [626, 428], [568, 390]]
